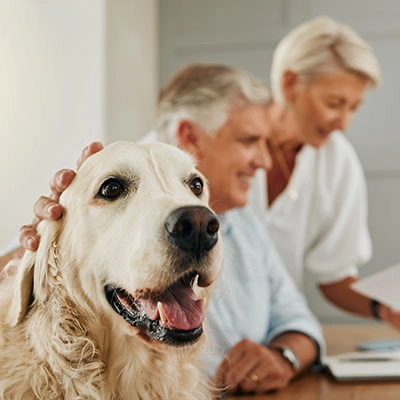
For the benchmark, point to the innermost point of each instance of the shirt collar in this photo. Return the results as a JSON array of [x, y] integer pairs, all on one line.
[[224, 224]]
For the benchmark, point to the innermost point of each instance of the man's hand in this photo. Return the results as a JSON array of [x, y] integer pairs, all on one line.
[[252, 368], [49, 207]]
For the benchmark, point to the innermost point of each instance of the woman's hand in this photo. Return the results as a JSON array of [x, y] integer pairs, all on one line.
[[389, 316], [49, 207]]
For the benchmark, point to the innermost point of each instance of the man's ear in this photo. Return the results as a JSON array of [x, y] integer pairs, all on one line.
[[188, 136], [290, 84]]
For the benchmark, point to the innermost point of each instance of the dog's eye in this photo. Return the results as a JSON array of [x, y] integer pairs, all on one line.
[[111, 189], [196, 186]]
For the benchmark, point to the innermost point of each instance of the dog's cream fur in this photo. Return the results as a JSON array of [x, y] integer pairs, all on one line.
[[59, 337]]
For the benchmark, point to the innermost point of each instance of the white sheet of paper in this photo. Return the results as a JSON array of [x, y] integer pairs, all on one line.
[[364, 365], [383, 286]]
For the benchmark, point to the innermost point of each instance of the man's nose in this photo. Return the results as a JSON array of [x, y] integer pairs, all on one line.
[[263, 157]]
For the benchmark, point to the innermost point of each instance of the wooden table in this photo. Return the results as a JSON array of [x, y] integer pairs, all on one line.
[[321, 386]]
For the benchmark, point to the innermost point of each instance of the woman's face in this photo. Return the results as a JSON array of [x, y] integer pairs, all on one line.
[[326, 104]]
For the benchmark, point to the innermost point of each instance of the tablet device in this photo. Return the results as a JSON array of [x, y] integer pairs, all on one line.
[[379, 345]]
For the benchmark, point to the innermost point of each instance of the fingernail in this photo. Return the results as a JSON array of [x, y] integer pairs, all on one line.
[[50, 209], [61, 179], [29, 243]]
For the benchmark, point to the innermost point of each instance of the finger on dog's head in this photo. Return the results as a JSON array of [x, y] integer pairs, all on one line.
[[29, 238], [60, 181], [88, 151], [46, 208]]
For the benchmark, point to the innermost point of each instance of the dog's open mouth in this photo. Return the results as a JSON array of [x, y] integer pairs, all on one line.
[[173, 317]]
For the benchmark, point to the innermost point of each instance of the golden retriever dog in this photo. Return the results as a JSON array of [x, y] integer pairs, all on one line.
[[111, 306]]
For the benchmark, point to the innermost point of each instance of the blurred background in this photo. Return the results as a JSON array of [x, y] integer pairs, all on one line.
[[72, 72]]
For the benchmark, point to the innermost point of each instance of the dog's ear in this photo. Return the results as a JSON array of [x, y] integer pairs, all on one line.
[[22, 289], [32, 270]]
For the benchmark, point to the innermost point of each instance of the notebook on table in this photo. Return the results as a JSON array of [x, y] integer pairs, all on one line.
[[375, 365]]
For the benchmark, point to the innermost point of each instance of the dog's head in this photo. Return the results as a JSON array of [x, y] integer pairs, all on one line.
[[137, 242]]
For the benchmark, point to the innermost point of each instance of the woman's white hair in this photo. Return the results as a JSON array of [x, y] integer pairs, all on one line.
[[320, 46], [204, 94]]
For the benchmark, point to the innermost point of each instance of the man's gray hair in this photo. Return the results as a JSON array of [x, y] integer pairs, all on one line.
[[205, 94]]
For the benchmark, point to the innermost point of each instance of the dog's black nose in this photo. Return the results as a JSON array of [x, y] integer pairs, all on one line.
[[192, 229]]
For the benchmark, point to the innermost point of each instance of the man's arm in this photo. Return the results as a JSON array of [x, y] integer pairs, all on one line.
[[16, 253], [303, 347], [261, 367]]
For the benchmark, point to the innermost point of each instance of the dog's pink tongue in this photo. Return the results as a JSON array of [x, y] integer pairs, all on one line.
[[180, 307]]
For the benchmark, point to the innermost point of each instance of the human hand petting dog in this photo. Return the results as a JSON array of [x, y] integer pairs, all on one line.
[[49, 207], [252, 368]]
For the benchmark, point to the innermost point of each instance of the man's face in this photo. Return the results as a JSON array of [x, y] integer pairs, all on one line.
[[230, 158]]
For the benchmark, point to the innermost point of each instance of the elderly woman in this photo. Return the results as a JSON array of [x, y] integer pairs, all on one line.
[[313, 199]]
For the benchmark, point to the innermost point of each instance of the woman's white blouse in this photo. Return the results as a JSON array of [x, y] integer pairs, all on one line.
[[319, 221]]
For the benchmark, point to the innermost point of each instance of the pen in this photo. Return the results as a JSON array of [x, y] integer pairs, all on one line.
[[369, 359]]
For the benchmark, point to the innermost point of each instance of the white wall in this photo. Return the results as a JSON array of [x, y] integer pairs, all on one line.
[[132, 67], [55, 76]]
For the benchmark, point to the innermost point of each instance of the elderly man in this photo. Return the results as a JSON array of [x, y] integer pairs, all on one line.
[[262, 331]]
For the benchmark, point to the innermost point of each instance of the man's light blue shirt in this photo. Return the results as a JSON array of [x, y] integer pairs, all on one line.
[[255, 297]]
